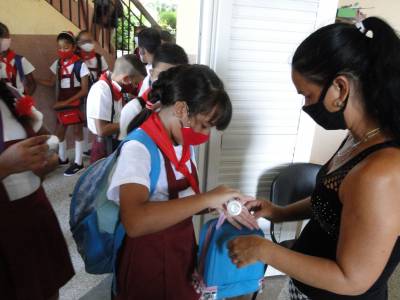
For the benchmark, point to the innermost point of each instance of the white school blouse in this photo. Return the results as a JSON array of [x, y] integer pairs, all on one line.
[[65, 82], [133, 166], [26, 66], [19, 185]]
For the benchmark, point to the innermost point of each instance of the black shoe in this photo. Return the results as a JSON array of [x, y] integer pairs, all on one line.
[[73, 169], [87, 153], [63, 163]]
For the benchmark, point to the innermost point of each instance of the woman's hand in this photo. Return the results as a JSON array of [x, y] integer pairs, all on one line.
[[30, 154], [263, 209], [246, 250]]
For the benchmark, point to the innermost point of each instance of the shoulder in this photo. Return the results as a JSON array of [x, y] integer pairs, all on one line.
[[373, 185], [380, 168], [99, 90], [136, 150]]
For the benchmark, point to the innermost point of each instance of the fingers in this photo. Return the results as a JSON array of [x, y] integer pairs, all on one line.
[[233, 222], [248, 220], [38, 149], [37, 140]]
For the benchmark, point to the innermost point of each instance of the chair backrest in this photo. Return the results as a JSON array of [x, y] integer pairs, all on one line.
[[294, 183]]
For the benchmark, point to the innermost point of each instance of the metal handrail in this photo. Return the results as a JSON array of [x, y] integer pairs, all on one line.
[[79, 13]]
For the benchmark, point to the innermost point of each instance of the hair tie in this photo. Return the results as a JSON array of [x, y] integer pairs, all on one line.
[[360, 26], [149, 105]]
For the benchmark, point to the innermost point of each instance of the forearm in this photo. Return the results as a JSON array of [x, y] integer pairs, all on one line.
[[108, 129], [30, 86], [314, 271], [46, 82], [78, 95], [300, 210], [154, 216]]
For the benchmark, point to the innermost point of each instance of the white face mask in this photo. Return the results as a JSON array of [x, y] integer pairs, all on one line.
[[87, 47], [136, 41], [5, 44]]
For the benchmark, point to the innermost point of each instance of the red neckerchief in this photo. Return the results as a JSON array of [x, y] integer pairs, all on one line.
[[10, 70], [65, 63], [146, 93], [115, 90], [156, 130], [87, 55]]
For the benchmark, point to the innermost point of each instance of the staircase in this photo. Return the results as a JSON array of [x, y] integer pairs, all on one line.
[[126, 13]]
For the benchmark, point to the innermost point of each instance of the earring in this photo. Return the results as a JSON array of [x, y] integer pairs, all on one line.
[[339, 103]]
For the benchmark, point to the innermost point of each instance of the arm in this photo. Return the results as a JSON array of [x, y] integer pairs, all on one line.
[[50, 82], [370, 207], [30, 85], [141, 216], [82, 93], [105, 128], [299, 210]]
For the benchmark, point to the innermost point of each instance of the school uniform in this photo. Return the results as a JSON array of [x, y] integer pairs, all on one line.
[[69, 84], [104, 102], [10, 73], [92, 61], [158, 265], [34, 258]]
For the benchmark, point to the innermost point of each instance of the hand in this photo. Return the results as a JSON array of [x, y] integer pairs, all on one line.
[[28, 155], [246, 250], [262, 209], [245, 218], [217, 197]]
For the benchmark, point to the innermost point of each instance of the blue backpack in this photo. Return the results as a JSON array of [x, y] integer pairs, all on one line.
[[94, 220], [219, 278]]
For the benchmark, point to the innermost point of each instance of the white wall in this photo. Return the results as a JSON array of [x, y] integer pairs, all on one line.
[[187, 26], [326, 142]]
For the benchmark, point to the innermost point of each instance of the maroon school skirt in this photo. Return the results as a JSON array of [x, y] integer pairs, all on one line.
[[34, 258], [158, 266]]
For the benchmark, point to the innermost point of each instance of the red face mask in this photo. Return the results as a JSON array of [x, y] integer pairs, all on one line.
[[191, 137], [65, 54]]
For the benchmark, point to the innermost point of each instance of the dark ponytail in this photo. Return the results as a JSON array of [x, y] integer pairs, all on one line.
[[199, 86], [371, 55]]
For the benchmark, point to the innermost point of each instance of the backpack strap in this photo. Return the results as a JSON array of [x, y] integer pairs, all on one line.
[[18, 66], [77, 69], [142, 137]]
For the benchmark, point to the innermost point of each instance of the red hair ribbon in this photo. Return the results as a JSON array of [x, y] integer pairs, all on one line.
[[24, 106]]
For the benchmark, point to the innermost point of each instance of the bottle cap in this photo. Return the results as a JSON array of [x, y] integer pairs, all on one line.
[[234, 207]]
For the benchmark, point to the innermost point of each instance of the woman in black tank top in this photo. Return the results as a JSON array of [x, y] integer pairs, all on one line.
[[350, 77]]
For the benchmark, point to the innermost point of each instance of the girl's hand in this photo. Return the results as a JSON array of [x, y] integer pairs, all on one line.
[[246, 250], [245, 218], [217, 197], [263, 209]]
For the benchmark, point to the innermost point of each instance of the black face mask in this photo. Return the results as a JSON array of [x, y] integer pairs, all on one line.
[[326, 119]]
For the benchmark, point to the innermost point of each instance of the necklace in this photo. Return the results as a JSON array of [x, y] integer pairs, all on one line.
[[351, 143]]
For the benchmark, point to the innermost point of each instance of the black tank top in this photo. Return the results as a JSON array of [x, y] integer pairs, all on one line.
[[320, 236]]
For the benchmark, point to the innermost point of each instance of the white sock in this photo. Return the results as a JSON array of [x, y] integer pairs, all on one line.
[[78, 152], [62, 150], [85, 139]]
